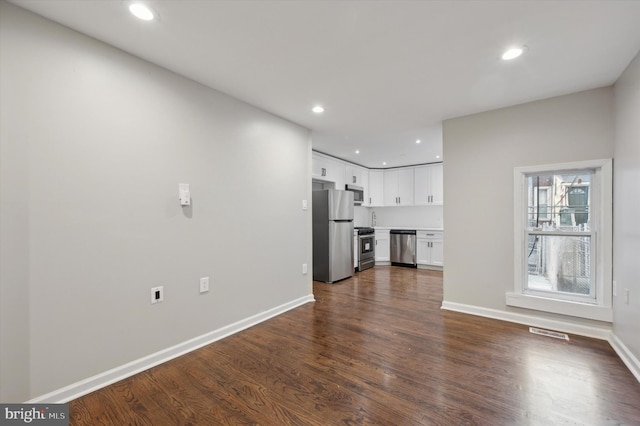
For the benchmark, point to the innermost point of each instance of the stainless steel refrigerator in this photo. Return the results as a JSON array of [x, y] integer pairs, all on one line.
[[332, 235]]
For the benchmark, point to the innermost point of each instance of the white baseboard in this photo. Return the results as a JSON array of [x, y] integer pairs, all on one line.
[[430, 267], [632, 363], [106, 378], [603, 333]]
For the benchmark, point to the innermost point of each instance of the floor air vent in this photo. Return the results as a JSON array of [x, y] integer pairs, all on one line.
[[548, 333]]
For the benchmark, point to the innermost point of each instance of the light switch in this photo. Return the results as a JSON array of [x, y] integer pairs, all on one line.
[[304, 205], [184, 194], [204, 284]]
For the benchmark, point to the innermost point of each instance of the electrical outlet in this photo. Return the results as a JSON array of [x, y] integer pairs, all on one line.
[[204, 284], [157, 294], [304, 269]]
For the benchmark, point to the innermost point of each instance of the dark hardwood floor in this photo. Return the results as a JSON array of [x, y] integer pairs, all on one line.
[[377, 349]]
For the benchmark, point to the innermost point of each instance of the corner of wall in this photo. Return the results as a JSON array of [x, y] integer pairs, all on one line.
[[626, 249], [14, 266]]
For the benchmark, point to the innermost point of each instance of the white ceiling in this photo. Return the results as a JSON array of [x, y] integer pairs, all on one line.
[[387, 72]]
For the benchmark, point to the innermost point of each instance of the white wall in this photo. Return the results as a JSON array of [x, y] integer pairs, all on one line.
[[94, 143], [14, 238], [409, 216], [626, 234], [404, 216], [482, 151], [361, 216]]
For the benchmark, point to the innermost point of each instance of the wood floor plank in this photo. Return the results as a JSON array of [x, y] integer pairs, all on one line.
[[377, 349]]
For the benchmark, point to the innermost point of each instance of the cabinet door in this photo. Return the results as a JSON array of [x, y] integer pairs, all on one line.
[[422, 251], [390, 188], [359, 176], [428, 185], [365, 187], [326, 169], [398, 187], [421, 186], [437, 257], [383, 249], [405, 187], [318, 167], [353, 176], [356, 177], [436, 179], [336, 173], [375, 188]]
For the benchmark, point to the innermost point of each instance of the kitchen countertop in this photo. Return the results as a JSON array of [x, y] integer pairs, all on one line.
[[417, 228]]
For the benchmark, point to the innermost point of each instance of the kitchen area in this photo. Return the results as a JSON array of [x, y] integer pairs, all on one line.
[[393, 217]]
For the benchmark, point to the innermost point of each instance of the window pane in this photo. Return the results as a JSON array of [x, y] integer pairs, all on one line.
[[561, 264], [559, 201]]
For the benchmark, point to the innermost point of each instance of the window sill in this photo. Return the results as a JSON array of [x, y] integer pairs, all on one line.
[[563, 307]]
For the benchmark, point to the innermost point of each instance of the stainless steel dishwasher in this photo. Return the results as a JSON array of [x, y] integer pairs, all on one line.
[[403, 247]]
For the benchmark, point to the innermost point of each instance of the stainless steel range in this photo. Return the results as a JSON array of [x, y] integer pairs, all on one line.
[[366, 248]]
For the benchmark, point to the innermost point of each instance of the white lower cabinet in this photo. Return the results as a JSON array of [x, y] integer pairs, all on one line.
[[383, 248], [437, 250], [429, 249], [422, 251]]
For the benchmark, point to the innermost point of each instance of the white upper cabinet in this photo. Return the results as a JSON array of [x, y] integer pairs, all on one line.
[[365, 186], [437, 184], [428, 185], [390, 190], [327, 169], [356, 175], [338, 173], [359, 176], [398, 187], [406, 186], [318, 167], [375, 188]]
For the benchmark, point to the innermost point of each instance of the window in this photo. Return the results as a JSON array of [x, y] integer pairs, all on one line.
[[559, 236], [563, 239]]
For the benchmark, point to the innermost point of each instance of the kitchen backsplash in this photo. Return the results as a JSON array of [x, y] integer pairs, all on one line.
[[361, 216], [418, 216]]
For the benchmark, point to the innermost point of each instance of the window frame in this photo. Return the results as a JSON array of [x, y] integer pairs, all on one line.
[[600, 306]]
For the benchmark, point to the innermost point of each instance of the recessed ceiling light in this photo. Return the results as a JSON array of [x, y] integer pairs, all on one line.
[[318, 109], [357, 151], [437, 156], [141, 11], [384, 163], [513, 53], [418, 141]]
